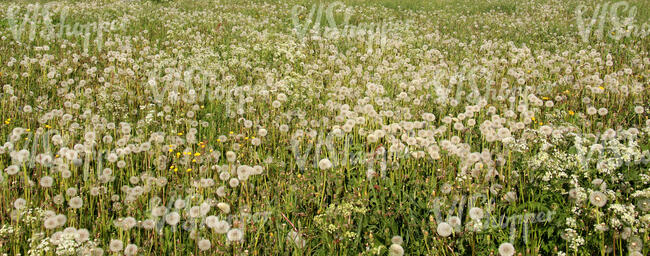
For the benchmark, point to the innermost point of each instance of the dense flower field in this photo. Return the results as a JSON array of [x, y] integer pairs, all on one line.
[[379, 127]]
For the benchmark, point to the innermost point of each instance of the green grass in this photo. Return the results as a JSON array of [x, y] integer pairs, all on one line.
[[364, 105]]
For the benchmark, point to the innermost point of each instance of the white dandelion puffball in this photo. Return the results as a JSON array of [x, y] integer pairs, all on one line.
[[635, 244], [158, 211], [224, 175], [205, 208], [61, 219], [75, 202], [204, 244], [12, 169], [397, 240], [149, 224], [506, 249], [224, 207], [324, 164], [598, 199], [179, 204], [211, 221], [115, 245], [46, 182], [97, 251], [454, 221], [172, 218], [20, 203], [195, 212], [131, 250], [222, 227], [476, 213], [235, 235], [370, 173], [50, 223], [129, 222], [444, 229], [234, 182], [262, 132], [71, 192], [638, 110], [446, 188], [395, 250], [231, 156], [82, 235]]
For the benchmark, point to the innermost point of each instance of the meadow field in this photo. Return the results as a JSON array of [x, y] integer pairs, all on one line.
[[351, 127]]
